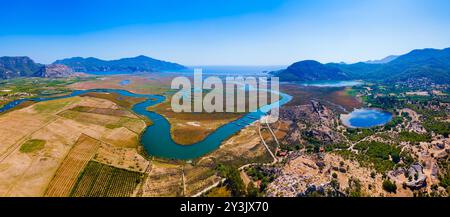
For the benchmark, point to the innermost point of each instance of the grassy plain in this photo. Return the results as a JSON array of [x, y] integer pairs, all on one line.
[[164, 179], [334, 97], [17, 88], [143, 84]]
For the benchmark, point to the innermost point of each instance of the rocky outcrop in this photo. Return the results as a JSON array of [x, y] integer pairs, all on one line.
[[314, 121], [324, 190], [12, 67], [55, 71], [418, 178]]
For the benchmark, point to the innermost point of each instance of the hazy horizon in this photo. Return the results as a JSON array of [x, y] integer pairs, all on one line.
[[223, 33]]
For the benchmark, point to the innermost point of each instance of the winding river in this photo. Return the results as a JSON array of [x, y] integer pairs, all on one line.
[[156, 138]]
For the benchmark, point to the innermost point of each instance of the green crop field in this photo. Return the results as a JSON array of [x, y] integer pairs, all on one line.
[[100, 180]]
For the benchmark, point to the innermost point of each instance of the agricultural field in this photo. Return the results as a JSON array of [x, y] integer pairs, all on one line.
[[165, 179], [17, 88], [36, 140], [122, 101], [100, 180], [109, 121], [123, 129], [104, 111], [67, 174], [198, 177], [125, 158]]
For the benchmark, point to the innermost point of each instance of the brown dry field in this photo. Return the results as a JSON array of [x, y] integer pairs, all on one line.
[[104, 111], [120, 100], [143, 84], [75, 162], [109, 121], [330, 96], [125, 158], [199, 176], [243, 148], [28, 174], [164, 179]]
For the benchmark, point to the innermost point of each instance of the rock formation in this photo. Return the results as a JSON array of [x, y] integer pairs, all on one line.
[[55, 71]]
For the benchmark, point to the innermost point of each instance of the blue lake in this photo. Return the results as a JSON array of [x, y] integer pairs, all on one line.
[[366, 118], [333, 84], [124, 82]]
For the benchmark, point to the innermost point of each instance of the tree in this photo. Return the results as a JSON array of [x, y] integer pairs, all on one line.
[[234, 181], [389, 186], [334, 175], [252, 191], [354, 188]]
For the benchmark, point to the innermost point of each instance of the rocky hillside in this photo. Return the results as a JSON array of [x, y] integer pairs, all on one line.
[[313, 121], [11, 67], [54, 71]]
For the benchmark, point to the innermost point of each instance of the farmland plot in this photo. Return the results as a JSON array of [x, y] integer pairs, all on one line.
[[67, 174], [100, 180], [164, 180]]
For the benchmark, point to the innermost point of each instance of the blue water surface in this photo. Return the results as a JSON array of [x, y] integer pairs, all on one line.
[[366, 118]]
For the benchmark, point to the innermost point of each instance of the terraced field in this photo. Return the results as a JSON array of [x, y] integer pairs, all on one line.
[[67, 174], [100, 180]]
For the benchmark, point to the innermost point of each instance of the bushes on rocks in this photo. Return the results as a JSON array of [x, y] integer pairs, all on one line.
[[389, 186]]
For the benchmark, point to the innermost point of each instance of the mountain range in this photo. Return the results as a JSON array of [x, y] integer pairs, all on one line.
[[22, 66], [432, 64], [129, 65], [11, 67], [382, 61]]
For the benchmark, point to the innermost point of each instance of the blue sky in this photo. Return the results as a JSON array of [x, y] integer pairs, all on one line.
[[222, 32]]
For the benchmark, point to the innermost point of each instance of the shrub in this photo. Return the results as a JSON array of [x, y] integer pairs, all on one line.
[[389, 186], [335, 175]]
